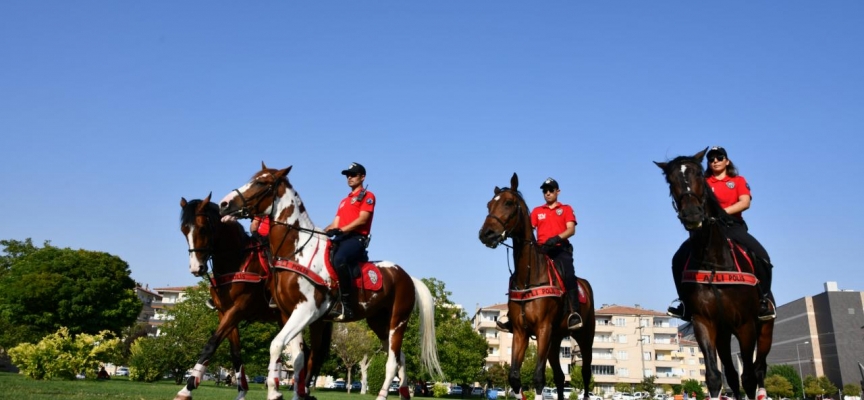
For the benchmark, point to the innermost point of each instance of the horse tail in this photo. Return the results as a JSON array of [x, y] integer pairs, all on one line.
[[428, 345]]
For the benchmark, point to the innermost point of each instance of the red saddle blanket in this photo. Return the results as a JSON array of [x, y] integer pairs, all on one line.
[[370, 275], [743, 276], [555, 289]]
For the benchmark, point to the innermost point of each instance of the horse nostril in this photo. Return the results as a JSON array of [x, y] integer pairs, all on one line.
[[223, 205]]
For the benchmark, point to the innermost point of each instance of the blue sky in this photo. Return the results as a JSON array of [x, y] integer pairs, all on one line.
[[110, 112]]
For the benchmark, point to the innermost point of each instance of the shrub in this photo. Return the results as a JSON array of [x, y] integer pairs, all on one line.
[[143, 366], [60, 355], [439, 390]]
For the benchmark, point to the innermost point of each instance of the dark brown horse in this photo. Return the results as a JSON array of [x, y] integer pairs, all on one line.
[[237, 284], [720, 304], [536, 306], [305, 288]]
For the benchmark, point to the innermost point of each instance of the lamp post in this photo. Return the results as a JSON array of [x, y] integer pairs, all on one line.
[[800, 376]]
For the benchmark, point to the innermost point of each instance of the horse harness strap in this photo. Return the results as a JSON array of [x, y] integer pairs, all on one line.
[[307, 272], [715, 277], [243, 275], [537, 292]]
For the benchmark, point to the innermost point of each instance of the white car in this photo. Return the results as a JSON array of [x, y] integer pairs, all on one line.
[[591, 396], [122, 371], [623, 396], [477, 391], [551, 393]]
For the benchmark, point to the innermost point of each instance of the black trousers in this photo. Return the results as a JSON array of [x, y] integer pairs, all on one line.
[[738, 233], [351, 251], [563, 258]]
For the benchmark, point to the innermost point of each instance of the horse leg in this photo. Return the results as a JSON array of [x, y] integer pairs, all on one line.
[[300, 318], [227, 322], [298, 354], [381, 326], [520, 343], [555, 363], [724, 350], [585, 339], [543, 344], [763, 347], [237, 362], [706, 337], [320, 333]]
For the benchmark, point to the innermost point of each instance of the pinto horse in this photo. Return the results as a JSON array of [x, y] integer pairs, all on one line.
[[536, 303], [305, 286], [237, 285], [720, 304]]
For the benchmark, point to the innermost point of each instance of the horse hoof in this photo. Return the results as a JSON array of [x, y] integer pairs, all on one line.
[[179, 397]]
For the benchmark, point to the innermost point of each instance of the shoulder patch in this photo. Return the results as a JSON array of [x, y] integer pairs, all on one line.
[[370, 201]]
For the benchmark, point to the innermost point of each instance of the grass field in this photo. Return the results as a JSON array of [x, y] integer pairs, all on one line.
[[14, 386]]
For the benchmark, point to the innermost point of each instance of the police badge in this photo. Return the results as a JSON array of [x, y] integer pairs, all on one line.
[[730, 185], [559, 212], [373, 277]]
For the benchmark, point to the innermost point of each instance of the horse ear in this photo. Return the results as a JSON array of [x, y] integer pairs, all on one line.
[[283, 173], [662, 165], [497, 190], [182, 202], [698, 156], [514, 182], [263, 167], [207, 199]]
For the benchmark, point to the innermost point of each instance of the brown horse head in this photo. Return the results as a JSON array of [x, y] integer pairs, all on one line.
[[508, 215], [256, 196], [688, 189], [197, 222]]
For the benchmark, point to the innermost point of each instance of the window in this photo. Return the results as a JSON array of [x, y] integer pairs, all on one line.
[[692, 351], [644, 322], [701, 361], [646, 339], [646, 356], [565, 352], [603, 369], [701, 372], [647, 373], [693, 373], [603, 338], [623, 355], [602, 354], [622, 338], [691, 362], [620, 321], [603, 322], [623, 372]]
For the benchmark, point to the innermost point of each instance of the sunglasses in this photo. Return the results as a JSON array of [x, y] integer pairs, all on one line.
[[548, 190], [351, 175], [716, 158]]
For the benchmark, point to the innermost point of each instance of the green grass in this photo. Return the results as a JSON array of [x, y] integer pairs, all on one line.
[[15, 386]]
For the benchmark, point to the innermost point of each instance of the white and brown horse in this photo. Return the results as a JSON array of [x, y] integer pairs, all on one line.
[[305, 286]]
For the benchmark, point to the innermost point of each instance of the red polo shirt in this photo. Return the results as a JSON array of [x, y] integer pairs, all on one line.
[[551, 221], [728, 190], [263, 225], [350, 207]]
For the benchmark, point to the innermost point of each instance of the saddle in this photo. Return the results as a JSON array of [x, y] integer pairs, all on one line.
[[554, 289], [366, 274], [743, 276]]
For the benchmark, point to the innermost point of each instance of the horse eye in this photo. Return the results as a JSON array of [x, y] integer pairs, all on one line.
[[509, 203]]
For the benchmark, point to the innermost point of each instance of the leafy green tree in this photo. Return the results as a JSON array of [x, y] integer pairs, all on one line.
[[375, 372], [811, 386], [352, 343], [576, 379], [44, 289], [677, 389], [527, 372], [778, 386], [647, 385], [497, 374], [828, 387], [790, 374], [852, 389], [691, 386]]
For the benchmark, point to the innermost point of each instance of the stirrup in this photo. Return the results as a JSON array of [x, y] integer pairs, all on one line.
[[769, 312], [209, 304], [574, 324], [346, 313], [272, 303], [676, 311]]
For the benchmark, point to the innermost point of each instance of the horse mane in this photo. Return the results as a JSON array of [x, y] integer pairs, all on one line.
[[712, 203]]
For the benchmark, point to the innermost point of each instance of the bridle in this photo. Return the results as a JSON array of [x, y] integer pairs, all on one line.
[[245, 211], [689, 192], [208, 250]]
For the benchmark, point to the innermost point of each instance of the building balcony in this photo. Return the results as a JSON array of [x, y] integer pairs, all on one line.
[[668, 362], [660, 346], [485, 323], [605, 328]]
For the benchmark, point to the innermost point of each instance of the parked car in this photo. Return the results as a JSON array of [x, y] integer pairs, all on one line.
[[661, 396], [339, 385], [259, 379], [477, 391], [623, 396], [394, 387], [456, 390], [356, 386], [122, 371], [591, 396]]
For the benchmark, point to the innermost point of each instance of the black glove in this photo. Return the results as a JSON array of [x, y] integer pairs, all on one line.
[[553, 241], [333, 232]]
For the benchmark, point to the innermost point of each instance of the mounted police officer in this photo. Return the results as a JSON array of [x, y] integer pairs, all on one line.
[[350, 231], [556, 223]]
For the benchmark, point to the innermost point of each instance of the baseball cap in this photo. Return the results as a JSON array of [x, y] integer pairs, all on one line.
[[354, 168], [549, 183], [717, 150]]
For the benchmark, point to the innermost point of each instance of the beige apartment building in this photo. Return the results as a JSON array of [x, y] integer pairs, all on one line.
[[630, 343]]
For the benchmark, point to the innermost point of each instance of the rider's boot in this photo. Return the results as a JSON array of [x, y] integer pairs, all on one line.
[[767, 311], [574, 320], [209, 304], [345, 293], [505, 326], [677, 310]]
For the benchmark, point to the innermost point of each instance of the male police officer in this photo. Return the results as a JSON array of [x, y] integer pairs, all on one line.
[[555, 223], [350, 229]]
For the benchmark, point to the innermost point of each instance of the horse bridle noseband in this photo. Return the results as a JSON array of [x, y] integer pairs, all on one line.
[[208, 251]]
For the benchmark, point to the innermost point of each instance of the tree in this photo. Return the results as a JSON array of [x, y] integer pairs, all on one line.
[[647, 385], [354, 343], [691, 386], [778, 386], [61, 355], [852, 389], [528, 365], [44, 289], [497, 374], [827, 386], [622, 387], [576, 379], [461, 350], [791, 376]]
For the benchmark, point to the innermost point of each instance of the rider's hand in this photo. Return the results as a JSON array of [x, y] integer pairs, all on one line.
[[333, 232], [553, 241], [229, 218]]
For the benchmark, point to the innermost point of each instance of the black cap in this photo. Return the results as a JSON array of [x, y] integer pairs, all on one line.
[[549, 183], [717, 150], [354, 168]]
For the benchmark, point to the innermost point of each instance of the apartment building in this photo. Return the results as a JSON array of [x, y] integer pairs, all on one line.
[[630, 343], [169, 297]]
